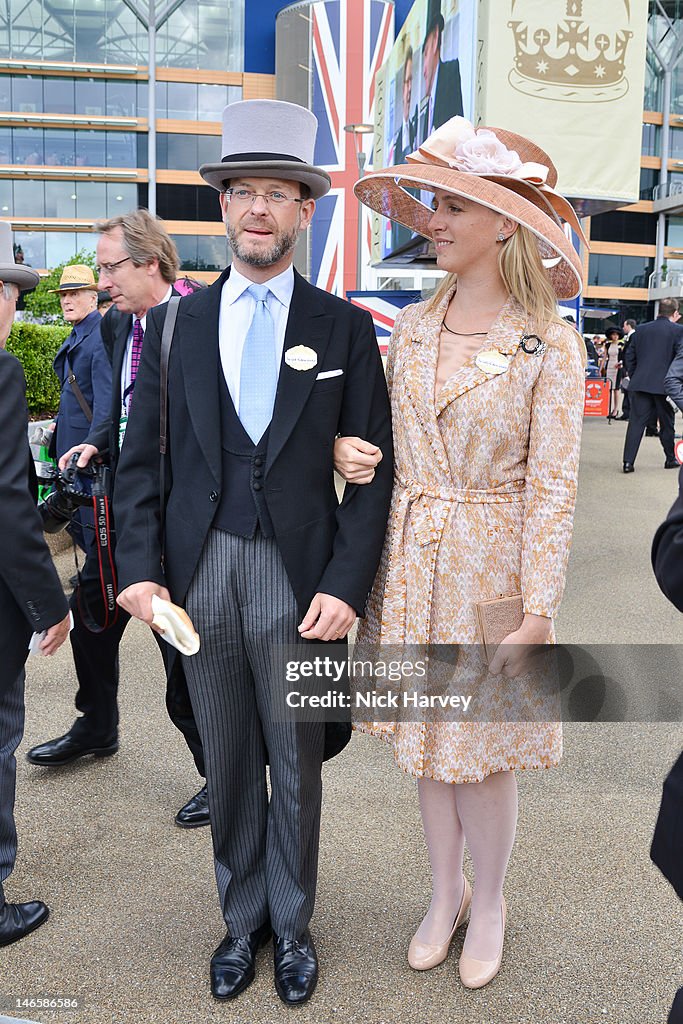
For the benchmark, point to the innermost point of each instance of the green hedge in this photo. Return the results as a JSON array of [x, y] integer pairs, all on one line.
[[35, 345]]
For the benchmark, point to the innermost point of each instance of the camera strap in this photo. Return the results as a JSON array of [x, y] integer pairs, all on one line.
[[164, 357], [105, 560], [80, 398]]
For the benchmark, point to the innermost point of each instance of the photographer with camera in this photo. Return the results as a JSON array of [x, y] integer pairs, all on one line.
[[83, 369], [31, 596], [138, 262]]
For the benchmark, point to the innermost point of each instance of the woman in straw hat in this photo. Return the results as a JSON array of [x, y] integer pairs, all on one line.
[[487, 386]]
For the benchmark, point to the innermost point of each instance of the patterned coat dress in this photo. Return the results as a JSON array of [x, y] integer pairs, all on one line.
[[484, 492]]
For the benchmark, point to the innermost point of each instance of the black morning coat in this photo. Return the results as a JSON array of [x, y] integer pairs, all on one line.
[[667, 562], [116, 328], [31, 596], [651, 350], [667, 551], [326, 546]]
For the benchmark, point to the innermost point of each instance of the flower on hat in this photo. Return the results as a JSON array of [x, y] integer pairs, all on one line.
[[452, 133], [458, 144], [484, 153]]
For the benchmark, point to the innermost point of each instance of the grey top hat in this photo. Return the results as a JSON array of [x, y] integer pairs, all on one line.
[[10, 272], [268, 138]]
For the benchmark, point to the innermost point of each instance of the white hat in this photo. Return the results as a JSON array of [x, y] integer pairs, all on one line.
[[268, 138], [10, 272]]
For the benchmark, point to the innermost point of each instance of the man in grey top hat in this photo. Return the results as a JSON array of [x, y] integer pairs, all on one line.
[[31, 596], [265, 370]]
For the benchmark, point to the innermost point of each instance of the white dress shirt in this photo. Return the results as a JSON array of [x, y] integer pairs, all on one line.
[[125, 367], [405, 138], [432, 97], [236, 314]]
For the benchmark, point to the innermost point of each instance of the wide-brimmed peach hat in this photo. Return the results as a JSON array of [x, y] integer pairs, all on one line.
[[491, 166]]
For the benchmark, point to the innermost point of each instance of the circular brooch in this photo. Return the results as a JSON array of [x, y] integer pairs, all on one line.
[[536, 350]]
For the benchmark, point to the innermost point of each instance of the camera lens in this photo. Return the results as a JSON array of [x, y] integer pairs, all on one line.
[[56, 512]]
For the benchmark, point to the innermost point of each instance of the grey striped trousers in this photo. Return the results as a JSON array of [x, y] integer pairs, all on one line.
[[11, 731], [265, 852]]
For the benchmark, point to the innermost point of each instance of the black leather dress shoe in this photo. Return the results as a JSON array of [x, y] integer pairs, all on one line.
[[296, 968], [195, 813], [68, 748], [18, 919], [233, 963], [629, 467], [650, 432], [671, 464]]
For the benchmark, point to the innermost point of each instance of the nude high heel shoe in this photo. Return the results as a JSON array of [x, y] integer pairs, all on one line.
[[477, 973], [421, 955]]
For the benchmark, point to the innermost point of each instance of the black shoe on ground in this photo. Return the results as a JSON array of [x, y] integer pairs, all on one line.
[[233, 963], [629, 467], [19, 919], [622, 417], [296, 968], [671, 464], [195, 812], [649, 432], [70, 747]]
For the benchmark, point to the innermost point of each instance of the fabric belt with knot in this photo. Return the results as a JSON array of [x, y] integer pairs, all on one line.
[[428, 510]]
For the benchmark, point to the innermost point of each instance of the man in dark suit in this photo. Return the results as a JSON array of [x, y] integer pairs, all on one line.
[[629, 330], [443, 92], [667, 843], [652, 349], [31, 596], [673, 381], [405, 141], [264, 371], [138, 264], [83, 369], [667, 551]]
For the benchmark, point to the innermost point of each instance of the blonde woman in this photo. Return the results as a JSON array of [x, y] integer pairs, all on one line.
[[487, 388]]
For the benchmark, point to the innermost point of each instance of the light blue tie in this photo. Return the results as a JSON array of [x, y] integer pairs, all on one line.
[[258, 372]]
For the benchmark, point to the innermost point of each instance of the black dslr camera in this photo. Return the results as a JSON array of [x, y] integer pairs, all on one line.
[[74, 487]]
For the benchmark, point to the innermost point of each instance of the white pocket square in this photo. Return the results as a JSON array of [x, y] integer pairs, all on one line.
[[329, 373]]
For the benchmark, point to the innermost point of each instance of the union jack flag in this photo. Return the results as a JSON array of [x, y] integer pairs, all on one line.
[[350, 40], [384, 308]]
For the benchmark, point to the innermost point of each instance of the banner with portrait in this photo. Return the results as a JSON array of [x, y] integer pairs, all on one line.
[[428, 79]]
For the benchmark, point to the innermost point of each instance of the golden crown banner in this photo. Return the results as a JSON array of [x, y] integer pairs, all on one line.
[[567, 58]]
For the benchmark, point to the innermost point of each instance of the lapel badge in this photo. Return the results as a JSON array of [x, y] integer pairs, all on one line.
[[492, 361], [537, 349], [301, 358]]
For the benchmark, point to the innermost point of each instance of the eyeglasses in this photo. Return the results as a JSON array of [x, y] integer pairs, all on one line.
[[110, 268], [245, 197]]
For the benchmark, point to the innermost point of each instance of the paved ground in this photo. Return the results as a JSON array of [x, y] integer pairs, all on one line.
[[594, 932]]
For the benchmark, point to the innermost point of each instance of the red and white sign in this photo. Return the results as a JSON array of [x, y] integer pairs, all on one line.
[[596, 401]]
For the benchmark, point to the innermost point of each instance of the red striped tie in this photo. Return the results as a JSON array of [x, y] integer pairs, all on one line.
[[136, 350]]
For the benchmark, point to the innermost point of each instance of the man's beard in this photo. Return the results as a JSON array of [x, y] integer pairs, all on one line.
[[283, 244]]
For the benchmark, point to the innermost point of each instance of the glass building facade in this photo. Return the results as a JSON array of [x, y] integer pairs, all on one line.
[[74, 139], [200, 34]]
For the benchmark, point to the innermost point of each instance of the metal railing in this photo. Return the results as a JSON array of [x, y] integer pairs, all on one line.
[[668, 188], [668, 279]]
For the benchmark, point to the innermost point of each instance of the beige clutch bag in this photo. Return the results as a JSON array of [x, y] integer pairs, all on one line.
[[496, 619]]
